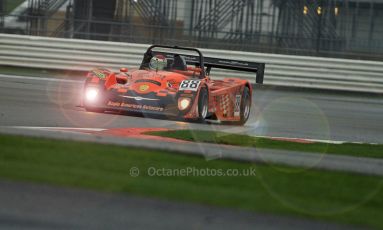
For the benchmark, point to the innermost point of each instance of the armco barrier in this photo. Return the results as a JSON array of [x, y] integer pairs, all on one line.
[[282, 70]]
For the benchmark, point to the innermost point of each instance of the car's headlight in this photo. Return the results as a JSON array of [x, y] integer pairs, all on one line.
[[183, 103], [91, 94]]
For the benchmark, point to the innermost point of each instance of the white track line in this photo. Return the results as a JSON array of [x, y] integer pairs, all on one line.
[[38, 78], [58, 128], [360, 165], [69, 129]]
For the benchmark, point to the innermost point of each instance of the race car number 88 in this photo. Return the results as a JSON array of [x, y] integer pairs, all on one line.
[[189, 85]]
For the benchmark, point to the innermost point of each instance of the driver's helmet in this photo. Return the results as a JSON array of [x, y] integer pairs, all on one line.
[[158, 62]]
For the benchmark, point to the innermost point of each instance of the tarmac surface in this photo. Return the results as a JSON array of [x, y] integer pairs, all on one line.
[[29, 206], [49, 102]]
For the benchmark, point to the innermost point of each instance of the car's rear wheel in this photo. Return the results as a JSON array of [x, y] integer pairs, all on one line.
[[245, 108], [203, 105]]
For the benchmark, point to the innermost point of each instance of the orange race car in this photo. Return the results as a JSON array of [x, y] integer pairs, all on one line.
[[173, 82]]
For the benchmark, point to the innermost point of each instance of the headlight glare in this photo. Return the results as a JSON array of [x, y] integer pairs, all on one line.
[[91, 94], [183, 103]]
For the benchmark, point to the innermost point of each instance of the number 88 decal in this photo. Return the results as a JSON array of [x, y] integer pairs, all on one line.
[[189, 85]]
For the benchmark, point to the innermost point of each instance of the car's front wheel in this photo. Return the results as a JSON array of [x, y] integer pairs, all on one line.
[[203, 104], [93, 110]]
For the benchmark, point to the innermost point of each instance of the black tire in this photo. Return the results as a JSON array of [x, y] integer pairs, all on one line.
[[93, 110], [244, 109], [203, 105]]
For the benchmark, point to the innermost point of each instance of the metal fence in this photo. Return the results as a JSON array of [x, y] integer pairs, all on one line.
[[281, 70], [330, 28]]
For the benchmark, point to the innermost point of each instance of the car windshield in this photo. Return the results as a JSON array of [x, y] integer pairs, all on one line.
[[177, 63], [164, 60]]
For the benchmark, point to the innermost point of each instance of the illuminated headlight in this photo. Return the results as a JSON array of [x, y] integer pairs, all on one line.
[[183, 103], [91, 94]]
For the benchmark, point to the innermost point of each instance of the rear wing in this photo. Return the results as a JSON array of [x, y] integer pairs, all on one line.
[[209, 63], [255, 67]]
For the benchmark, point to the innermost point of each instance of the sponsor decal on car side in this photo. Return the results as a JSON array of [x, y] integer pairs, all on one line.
[[135, 106], [99, 74], [143, 88], [237, 106]]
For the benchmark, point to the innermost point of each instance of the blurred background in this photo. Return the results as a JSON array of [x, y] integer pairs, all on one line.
[[328, 28]]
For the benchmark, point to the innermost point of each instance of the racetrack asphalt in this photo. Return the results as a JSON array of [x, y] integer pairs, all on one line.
[[51, 102], [30, 206]]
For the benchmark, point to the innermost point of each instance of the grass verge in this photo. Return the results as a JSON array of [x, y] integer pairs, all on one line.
[[331, 196], [350, 149]]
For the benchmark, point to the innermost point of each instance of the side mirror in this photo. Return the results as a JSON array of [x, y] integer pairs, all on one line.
[[124, 70]]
